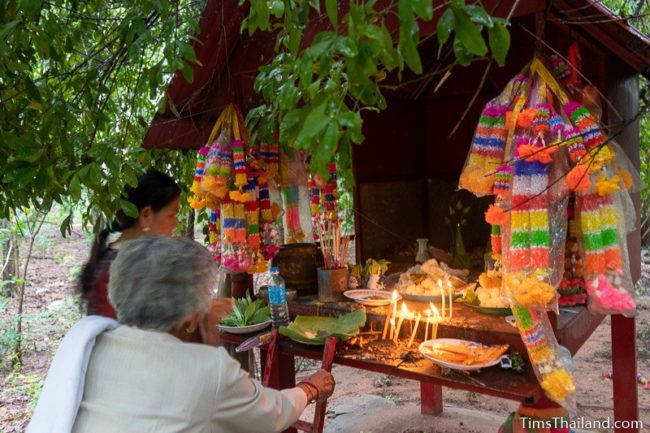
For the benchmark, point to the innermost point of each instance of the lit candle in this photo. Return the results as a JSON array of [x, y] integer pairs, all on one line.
[[442, 295], [392, 327], [451, 299], [404, 314], [426, 326], [436, 320], [415, 330], [387, 322], [389, 316]]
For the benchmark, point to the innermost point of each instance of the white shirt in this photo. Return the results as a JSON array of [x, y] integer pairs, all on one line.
[[146, 381]]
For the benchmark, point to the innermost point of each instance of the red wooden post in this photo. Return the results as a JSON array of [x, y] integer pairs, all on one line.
[[623, 92], [430, 398], [626, 405], [321, 406], [270, 375]]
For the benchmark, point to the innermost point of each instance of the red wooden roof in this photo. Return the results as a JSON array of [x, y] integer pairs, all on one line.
[[229, 60]]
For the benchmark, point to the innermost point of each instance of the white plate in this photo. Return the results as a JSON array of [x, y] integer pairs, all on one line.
[[454, 342], [245, 329], [363, 296]]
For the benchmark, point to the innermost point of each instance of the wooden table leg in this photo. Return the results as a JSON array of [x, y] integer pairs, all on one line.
[[321, 407], [626, 402], [430, 398]]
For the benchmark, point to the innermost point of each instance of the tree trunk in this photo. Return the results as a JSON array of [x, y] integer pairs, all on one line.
[[189, 226], [8, 261]]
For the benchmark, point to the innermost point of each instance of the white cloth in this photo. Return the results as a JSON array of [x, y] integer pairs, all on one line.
[[146, 381], [57, 406]]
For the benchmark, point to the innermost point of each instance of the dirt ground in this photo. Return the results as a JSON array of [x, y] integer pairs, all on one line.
[[50, 310]]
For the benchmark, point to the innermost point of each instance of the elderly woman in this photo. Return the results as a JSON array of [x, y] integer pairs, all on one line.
[[141, 375]]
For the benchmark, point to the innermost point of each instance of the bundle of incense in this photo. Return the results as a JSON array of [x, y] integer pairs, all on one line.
[[333, 246]]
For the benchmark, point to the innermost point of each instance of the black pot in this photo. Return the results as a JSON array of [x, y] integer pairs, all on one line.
[[297, 264]]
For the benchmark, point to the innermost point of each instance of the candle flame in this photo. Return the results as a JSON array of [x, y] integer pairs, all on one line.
[[405, 309], [436, 313], [394, 296], [392, 321], [449, 284], [428, 312], [439, 283]]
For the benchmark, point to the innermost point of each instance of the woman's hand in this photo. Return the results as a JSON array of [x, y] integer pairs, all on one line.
[[324, 382], [208, 322]]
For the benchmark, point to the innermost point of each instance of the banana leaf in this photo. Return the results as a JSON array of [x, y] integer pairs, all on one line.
[[315, 329]]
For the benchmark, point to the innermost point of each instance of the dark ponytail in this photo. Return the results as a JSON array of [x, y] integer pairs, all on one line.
[[154, 189]]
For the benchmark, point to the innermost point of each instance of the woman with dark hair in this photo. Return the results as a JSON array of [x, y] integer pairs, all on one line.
[[157, 198]]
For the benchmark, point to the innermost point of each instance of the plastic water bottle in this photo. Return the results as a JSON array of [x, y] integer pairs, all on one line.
[[278, 299]]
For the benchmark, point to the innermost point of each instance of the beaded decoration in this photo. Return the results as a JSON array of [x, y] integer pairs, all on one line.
[[603, 256], [331, 193], [561, 70], [529, 221], [487, 150], [234, 250], [502, 179], [314, 205], [556, 381], [214, 238], [197, 200], [586, 123], [293, 228], [239, 159]]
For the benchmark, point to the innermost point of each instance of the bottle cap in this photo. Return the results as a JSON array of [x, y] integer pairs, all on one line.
[[274, 269]]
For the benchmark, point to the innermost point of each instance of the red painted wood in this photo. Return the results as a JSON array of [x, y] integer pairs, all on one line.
[[430, 398], [626, 405], [321, 407], [270, 377], [622, 91], [497, 383]]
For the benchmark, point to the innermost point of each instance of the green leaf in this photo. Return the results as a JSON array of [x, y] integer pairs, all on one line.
[[409, 36], [346, 46], [187, 52], [444, 28], [463, 56], [469, 34], [499, 38], [128, 208], [74, 188], [330, 137], [331, 6], [188, 72], [314, 123], [30, 8], [423, 9], [66, 226], [277, 8], [411, 56], [478, 15], [7, 28]]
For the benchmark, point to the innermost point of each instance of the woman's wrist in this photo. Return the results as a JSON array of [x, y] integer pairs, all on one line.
[[310, 390]]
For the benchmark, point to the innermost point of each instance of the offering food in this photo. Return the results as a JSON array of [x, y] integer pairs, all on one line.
[[247, 312], [422, 280], [489, 290], [464, 352]]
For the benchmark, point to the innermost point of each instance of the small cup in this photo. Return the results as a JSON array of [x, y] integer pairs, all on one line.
[[331, 284]]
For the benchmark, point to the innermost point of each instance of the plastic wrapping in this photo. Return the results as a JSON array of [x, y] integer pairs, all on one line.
[[605, 215], [604, 245], [218, 169], [234, 247], [536, 229], [295, 200], [551, 363]]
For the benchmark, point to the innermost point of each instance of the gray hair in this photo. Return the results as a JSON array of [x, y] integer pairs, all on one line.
[[158, 282]]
